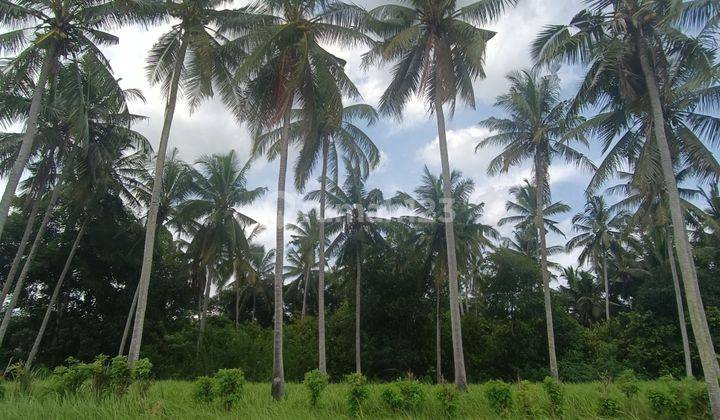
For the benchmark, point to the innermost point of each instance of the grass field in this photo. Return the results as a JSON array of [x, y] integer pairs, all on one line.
[[174, 400]]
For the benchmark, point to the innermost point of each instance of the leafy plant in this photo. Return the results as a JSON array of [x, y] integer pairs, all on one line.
[[554, 390], [230, 383], [392, 398], [120, 378], [204, 390], [141, 374], [627, 382], [358, 392], [69, 378], [448, 396], [527, 399], [404, 395], [316, 382], [99, 375], [609, 406], [499, 396]]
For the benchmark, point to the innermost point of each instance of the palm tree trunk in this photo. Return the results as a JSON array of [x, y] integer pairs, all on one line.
[[204, 311], [53, 298], [151, 226], [680, 308], [278, 371], [237, 296], [28, 139], [20, 251], [358, 276], [28, 261], [456, 326], [128, 322], [322, 361], [438, 337], [306, 277], [607, 286], [698, 320], [540, 226]]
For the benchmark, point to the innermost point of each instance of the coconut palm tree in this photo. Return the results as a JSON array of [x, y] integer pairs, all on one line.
[[40, 34], [428, 220], [437, 52], [541, 129], [585, 293], [287, 66], [597, 226], [356, 228], [256, 279], [191, 55], [629, 48], [305, 238]]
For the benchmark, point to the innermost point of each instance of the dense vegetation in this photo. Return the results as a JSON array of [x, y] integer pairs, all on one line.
[[109, 247]]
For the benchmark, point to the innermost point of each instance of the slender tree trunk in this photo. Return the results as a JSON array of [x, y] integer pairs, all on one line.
[[28, 139], [456, 326], [128, 322], [28, 261], [607, 286], [358, 299], [20, 251], [438, 336], [278, 371], [680, 308], [322, 361], [53, 298], [306, 277], [698, 320], [237, 296], [254, 305], [151, 226], [539, 225], [204, 311]]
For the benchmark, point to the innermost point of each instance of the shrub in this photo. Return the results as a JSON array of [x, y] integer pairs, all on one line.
[[412, 394], [99, 375], [499, 396], [141, 373], [527, 399], [358, 392], [448, 395], [627, 382], [392, 398], [698, 399], [316, 382], [609, 407], [553, 389], [120, 378], [230, 383], [68, 379], [204, 390]]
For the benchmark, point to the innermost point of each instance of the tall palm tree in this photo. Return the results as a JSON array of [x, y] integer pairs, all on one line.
[[597, 226], [541, 129], [257, 277], [629, 48], [428, 220], [437, 53], [585, 293], [192, 54], [41, 33], [287, 66], [305, 237], [356, 228]]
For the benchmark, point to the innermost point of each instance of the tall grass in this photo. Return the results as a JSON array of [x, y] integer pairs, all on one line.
[[174, 400]]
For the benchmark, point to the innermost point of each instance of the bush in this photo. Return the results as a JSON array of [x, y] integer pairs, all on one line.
[[609, 407], [99, 375], [230, 383], [448, 395], [358, 392], [204, 390], [627, 382], [68, 379], [698, 399], [316, 382], [553, 389], [527, 399], [499, 396], [120, 377], [141, 373], [404, 395]]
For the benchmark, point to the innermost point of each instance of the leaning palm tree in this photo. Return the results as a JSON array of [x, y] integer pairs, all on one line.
[[541, 129], [437, 52], [190, 54], [287, 66], [428, 221], [42, 33], [356, 228], [630, 48], [597, 227]]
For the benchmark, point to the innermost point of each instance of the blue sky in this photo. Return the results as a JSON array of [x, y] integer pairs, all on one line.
[[406, 145]]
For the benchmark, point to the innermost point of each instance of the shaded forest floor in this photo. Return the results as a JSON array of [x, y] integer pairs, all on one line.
[[174, 400]]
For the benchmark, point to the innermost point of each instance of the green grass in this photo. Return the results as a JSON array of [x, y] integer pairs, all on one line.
[[173, 400]]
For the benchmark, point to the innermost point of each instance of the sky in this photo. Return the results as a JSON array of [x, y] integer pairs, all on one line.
[[406, 146]]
